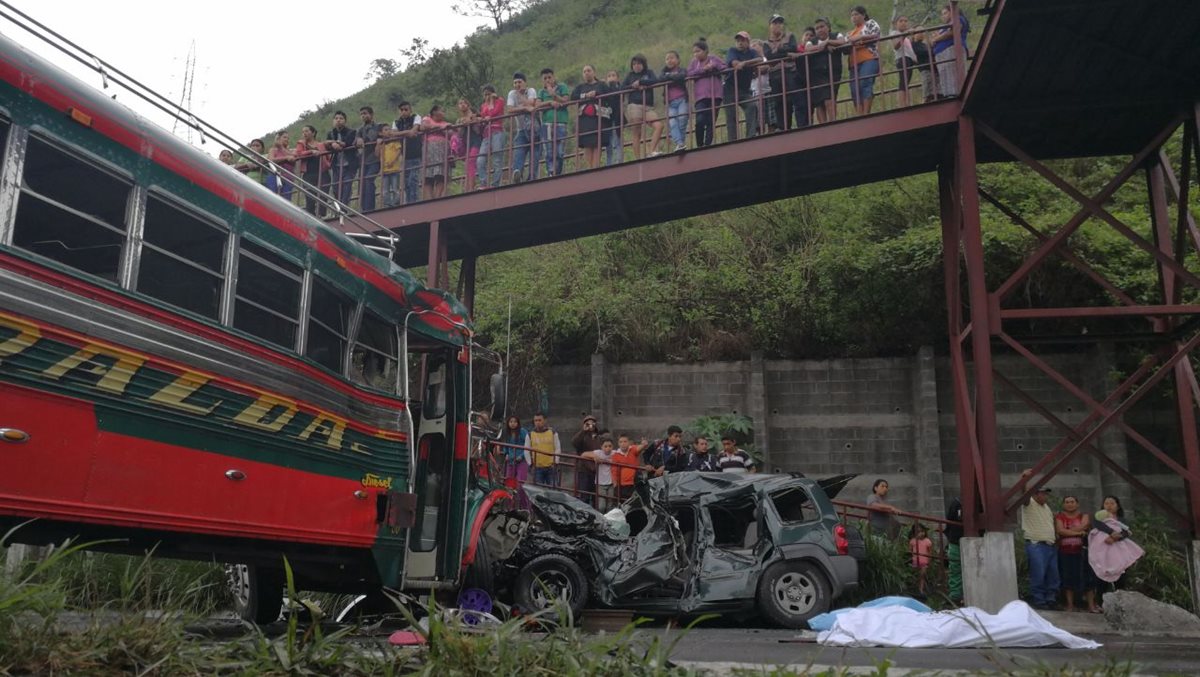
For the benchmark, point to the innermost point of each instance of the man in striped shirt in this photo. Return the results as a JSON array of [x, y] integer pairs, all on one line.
[[733, 459]]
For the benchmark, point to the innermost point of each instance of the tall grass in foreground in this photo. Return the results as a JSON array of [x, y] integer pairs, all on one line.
[[43, 632]]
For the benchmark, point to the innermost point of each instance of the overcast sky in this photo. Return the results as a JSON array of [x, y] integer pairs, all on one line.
[[258, 64]]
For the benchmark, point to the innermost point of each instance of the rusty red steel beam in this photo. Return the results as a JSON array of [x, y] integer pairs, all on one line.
[[1133, 399], [1186, 409], [1065, 252], [967, 185], [1100, 311], [1180, 188], [1080, 216], [1148, 363], [970, 468], [1161, 230], [1095, 406], [1057, 422], [1093, 207]]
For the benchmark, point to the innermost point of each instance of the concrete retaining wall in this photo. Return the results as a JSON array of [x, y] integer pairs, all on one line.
[[881, 417]]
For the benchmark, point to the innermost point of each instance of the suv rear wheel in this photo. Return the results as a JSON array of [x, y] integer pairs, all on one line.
[[790, 593], [549, 579]]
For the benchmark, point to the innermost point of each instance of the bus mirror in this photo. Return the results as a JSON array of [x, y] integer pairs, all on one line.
[[401, 510], [499, 387]]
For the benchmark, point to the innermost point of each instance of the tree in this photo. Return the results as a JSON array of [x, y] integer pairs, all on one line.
[[416, 53], [381, 68], [457, 72], [498, 11]]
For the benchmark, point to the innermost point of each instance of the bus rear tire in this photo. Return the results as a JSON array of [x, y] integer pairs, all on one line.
[[257, 592]]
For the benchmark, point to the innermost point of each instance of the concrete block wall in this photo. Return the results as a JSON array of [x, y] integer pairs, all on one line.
[[887, 418]]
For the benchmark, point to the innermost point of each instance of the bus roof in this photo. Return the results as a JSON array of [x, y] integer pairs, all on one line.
[[39, 78]]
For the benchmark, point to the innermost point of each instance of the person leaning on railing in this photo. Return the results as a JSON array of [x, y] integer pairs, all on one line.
[[744, 61], [366, 141], [546, 450], [252, 169], [588, 119], [778, 50], [471, 136], [491, 151], [314, 167], [553, 99], [945, 53], [864, 58], [522, 102], [675, 76], [707, 88], [345, 159], [282, 156], [905, 57], [639, 106], [612, 127], [437, 152]]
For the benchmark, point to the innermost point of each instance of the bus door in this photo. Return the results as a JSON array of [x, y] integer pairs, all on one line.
[[433, 472]]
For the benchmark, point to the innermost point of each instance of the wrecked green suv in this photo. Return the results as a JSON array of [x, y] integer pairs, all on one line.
[[690, 543]]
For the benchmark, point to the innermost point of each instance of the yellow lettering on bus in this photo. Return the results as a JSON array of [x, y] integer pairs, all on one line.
[[174, 393], [258, 414], [114, 377], [27, 335], [327, 426]]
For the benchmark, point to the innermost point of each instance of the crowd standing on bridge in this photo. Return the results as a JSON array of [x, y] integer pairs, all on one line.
[[780, 82]]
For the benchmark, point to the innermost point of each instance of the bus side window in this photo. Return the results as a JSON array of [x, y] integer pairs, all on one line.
[[182, 259], [71, 211], [373, 361], [267, 301], [328, 325]]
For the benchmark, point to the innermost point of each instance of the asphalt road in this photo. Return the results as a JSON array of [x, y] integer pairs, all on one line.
[[779, 647]]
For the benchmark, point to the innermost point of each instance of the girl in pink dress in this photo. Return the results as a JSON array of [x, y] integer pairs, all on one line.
[[920, 546]]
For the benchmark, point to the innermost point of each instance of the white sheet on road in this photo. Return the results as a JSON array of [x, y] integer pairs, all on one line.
[[1017, 625]]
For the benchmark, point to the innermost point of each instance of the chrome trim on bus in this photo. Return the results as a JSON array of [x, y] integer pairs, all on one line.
[[230, 270], [10, 180], [47, 303], [305, 305], [135, 221], [351, 338]]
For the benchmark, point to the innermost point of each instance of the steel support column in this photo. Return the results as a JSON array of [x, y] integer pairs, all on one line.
[[1185, 405], [466, 277], [437, 273], [965, 439], [975, 411], [982, 324]]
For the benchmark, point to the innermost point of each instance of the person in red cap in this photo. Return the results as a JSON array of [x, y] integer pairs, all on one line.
[[744, 62]]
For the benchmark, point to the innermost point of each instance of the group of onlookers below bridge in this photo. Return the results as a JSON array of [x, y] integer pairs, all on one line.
[[603, 467], [1068, 552]]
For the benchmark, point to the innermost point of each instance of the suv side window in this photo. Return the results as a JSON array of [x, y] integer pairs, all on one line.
[[794, 505], [735, 524]]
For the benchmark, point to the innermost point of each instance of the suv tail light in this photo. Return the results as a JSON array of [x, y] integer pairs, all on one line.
[[840, 540]]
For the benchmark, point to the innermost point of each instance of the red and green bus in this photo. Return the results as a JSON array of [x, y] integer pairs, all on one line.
[[189, 363]]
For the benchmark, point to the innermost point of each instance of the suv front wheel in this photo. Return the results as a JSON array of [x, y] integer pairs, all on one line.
[[790, 593], [549, 580]]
